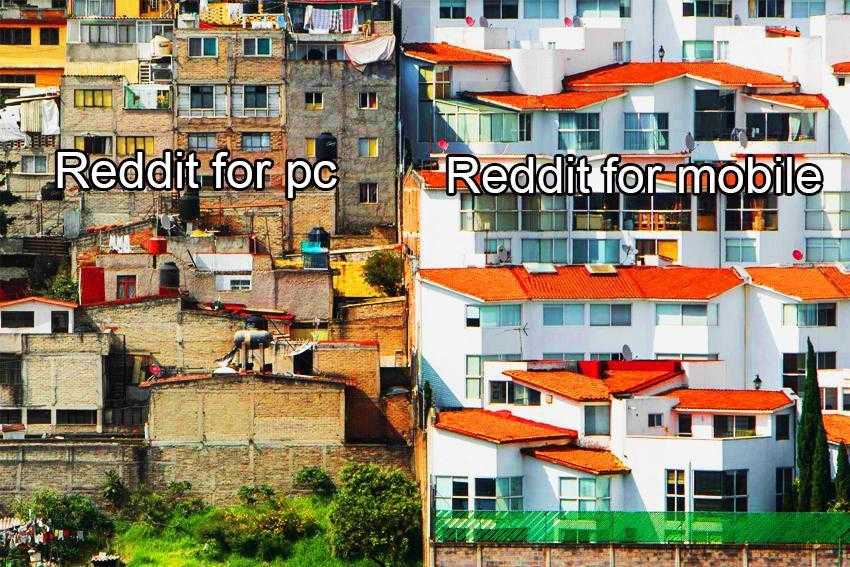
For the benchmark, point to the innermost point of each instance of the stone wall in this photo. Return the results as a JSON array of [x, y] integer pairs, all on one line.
[[462, 555], [383, 320]]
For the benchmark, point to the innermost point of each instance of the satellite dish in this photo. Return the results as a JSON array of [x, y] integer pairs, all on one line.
[[482, 21], [568, 22], [442, 144], [576, 21], [690, 143], [742, 138], [470, 21], [503, 255], [797, 254], [155, 370], [627, 353], [737, 20]]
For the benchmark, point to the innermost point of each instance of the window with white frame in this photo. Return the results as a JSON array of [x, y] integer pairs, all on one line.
[[767, 9], [596, 212], [367, 147], [686, 356], [726, 426], [741, 250], [233, 282], [610, 314], [540, 9], [202, 101], [497, 251], [585, 494], [655, 420], [807, 8], [102, 8], [498, 494], [473, 371], [707, 8], [569, 356], [784, 488], [808, 314], [368, 100], [256, 100], [493, 315], [545, 250], [452, 493], [201, 141], [544, 212], [146, 31], [721, 50], [828, 249], [646, 131], [662, 211], [203, 47], [828, 210], [501, 9], [752, 212], [606, 356], [720, 491], [675, 492], [488, 212], [33, 164], [597, 419], [256, 46], [604, 8], [313, 101], [697, 50], [256, 141], [107, 32], [452, 9], [622, 51], [508, 392], [794, 367], [781, 126], [714, 112], [368, 193], [686, 314], [596, 250], [829, 398], [563, 314], [578, 131]]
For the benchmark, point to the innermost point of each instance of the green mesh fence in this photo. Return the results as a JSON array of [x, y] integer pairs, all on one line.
[[641, 527]]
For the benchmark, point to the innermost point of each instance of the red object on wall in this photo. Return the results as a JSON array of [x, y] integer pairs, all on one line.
[[157, 245], [92, 285]]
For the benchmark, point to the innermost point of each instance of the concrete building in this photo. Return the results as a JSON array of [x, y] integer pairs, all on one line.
[[32, 51]]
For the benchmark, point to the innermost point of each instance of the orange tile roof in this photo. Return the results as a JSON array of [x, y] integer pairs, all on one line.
[[571, 385], [443, 53], [729, 400], [781, 32], [802, 101], [837, 428], [499, 426], [47, 300], [437, 179], [594, 461], [841, 68], [630, 381], [633, 74], [570, 100], [513, 283], [806, 283]]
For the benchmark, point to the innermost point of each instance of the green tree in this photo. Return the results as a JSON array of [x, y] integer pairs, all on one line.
[[375, 514], [842, 475], [821, 473], [383, 270], [812, 450], [62, 286]]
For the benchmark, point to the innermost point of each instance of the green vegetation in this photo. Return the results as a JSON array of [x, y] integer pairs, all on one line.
[[316, 480], [815, 486], [383, 271]]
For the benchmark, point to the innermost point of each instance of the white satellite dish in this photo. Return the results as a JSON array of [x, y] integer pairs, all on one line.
[[627, 353], [503, 255], [577, 21], [742, 137], [737, 20], [482, 21], [690, 143]]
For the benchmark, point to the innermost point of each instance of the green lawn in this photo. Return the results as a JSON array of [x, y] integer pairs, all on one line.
[[176, 546]]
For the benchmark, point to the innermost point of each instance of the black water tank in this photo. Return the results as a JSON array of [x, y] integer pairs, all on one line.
[[50, 192], [190, 205], [320, 236], [256, 322], [169, 275], [326, 146]]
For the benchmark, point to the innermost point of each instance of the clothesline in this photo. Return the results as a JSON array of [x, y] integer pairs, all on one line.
[[322, 20]]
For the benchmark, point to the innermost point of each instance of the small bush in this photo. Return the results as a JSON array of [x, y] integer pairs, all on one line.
[[158, 508], [383, 270], [253, 494], [114, 491], [316, 480]]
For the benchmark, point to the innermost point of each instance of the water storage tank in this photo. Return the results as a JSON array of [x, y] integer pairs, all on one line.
[[190, 205], [326, 146], [169, 276], [256, 322], [319, 236]]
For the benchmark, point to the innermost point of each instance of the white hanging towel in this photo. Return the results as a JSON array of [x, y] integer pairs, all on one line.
[[49, 118]]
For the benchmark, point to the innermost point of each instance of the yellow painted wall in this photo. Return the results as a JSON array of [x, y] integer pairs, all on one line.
[[129, 69], [127, 8], [35, 56], [348, 276]]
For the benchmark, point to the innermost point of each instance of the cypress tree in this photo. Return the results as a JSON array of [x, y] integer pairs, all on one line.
[[842, 475], [810, 418], [821, 470]]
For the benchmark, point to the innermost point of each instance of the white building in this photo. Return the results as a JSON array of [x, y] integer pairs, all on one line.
[[36, 315]]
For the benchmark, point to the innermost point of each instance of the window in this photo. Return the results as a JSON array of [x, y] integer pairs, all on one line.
[[828, 210], [310, 147], [94, 8], [675, 490], [463, 121], [574, 356], [596, 212], [240, 284], [60, 322], [202, 96], [784, 488], [841, 81], [488, 212], [752, 212], [369, 193], [33, 164], [716, 491], [95, 145], [256, 96], [707, 8], [525, 119], [17, 78], [473, 371], [497, 251], [794, 367], [17, 319], [125, 287], [207, 101], [76, 417], [585, 494], [808, 314], [15, 36], [452, 493], [596, 250], [781, 126], [563, 314], [501, 9], [313, 101], [829, 398], [256, 141], [434, 83], [706, 212], [845, 399], [606, 356], [203, 47], [493, 315], [504, 392], [714, 114], [698, 50], [597, 420], [767, 9], [741, 250], [783, 427], [453, 9], [610, 315], [544, 212], [109, 33], [685, 425], [657, 247], [578, 131], [368, 100], [646, 131], [604, 8], [146, 31], [503, 493], [807, 8], [367, 147], [128, 145], [721, 50], [540, 9], [93, 98], [686, 314], [686, 356], [622, 51], [655, 420], [10, 416], [827, 249], [734, 426], [256, 46], [256, 100], [39, 417], [665, 211], [49, 36], [202, 141], [545, 250]]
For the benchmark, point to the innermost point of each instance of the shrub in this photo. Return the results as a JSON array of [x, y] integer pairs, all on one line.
[[375, 514], [158, 508], [253, 494], [62, 286], [316, 480], [383, 271], [114, 491]]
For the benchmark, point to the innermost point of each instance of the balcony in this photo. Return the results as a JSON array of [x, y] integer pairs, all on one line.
[[147, 97]]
